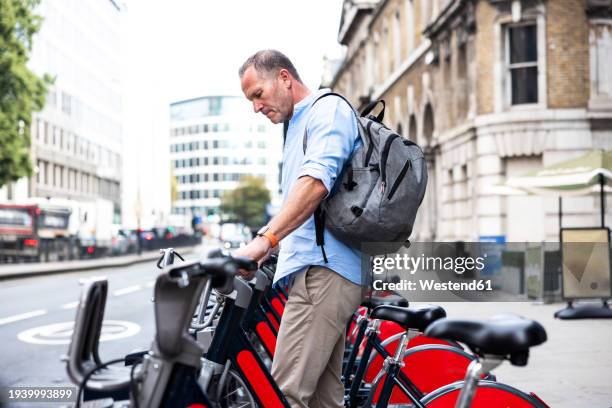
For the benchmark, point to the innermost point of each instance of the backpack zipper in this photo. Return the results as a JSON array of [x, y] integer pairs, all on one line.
[[383, 162], [370, 145], [399, 178]]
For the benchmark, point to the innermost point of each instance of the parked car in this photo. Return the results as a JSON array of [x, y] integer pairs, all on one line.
[[234, 235], [132, 239], [119, 242]]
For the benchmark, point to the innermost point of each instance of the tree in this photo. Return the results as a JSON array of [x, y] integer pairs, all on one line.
[[247, 202], [21, 91], [173, 187]]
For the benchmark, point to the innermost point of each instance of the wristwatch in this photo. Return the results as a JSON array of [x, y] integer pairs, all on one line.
[[265, 232]]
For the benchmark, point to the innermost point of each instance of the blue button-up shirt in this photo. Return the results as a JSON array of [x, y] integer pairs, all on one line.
[[332, 138]]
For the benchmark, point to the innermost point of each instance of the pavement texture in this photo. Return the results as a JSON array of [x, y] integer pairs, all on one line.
[[10, 271]]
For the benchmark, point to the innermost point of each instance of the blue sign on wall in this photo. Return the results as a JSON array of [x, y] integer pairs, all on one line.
[[492, 249]]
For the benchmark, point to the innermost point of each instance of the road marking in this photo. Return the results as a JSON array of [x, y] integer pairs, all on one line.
[[70, 305], [61, 333], [22, 316], [150, 284], [125, 291]]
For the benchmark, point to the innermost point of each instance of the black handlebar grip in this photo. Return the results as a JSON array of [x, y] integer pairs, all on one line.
[[245, 263]]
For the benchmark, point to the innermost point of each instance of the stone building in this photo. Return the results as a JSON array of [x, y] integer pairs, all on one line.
[[490, 89]]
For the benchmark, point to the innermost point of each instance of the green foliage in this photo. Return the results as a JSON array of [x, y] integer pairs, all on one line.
[[247, 202], [21, 91], [173, 187]]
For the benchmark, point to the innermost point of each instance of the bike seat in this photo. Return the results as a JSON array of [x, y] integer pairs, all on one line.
[[418, 318], [504, 335], [375, 301]]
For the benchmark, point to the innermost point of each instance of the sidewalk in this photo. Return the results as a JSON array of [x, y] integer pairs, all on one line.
[[10, 271], [572, 369]]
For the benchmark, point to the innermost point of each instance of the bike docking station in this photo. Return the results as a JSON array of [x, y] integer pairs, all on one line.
[[215, 338], [586, 275]]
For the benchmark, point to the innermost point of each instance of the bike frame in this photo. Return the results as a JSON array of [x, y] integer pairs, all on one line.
[[230, 343], [255, 319], [374, 343]]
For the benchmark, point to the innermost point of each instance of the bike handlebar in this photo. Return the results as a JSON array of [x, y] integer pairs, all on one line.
[[224, 266]]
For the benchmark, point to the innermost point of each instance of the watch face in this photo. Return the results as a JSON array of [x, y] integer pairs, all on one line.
[[263, 230]]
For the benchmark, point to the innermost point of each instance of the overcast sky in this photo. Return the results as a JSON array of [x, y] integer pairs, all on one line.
[[196, 46]]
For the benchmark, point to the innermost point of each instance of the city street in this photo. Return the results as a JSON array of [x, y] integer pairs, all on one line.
[[31, 351], [481, 129]]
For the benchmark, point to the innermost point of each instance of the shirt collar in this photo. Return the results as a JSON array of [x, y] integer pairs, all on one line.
[[307, 101]]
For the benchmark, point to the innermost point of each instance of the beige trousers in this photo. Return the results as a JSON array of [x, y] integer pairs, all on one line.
[[307, 362]]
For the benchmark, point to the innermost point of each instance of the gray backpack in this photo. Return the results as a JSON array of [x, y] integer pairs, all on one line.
[[376, 197]]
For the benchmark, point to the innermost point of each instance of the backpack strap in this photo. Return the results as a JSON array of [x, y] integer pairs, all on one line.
[[319, 214], [305, 139], [370, 108]]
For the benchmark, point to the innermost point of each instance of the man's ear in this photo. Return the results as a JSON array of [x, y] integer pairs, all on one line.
[[285, 77]]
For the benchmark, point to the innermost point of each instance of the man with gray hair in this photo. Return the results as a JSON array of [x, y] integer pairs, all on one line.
[[325, 287]]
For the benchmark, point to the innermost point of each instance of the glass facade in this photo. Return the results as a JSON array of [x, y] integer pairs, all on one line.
[[215, 142]]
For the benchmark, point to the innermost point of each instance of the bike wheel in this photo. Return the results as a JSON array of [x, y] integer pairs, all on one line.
[[428, 367], [489, 394], [390, 341], [234, 393]]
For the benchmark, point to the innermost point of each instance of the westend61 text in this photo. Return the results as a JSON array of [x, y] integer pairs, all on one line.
[[430, 284]]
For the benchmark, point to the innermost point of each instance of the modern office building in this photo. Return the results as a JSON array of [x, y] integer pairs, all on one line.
[[490, 89], [215, 141], [76, 138]]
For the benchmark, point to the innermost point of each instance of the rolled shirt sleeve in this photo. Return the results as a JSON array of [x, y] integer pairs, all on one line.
[[332, 133]]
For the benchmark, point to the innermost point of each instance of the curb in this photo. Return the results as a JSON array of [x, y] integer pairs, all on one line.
[[49, 268]]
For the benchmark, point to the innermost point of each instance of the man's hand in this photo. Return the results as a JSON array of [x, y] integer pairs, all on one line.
[[301, 203], [258, 249]]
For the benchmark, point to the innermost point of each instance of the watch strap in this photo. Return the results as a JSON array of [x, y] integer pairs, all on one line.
[[271, 237]]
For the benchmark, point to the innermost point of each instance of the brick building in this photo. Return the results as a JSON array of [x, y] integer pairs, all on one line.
[[490, 89]]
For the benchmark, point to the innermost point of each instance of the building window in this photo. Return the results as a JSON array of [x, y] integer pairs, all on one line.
[[522, 62], [397, 45], [66, 103], [387, 68], [410, 24]]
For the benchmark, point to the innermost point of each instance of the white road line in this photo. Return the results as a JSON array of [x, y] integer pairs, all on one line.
[[150, 284], [70, 305], [22, 316], [125, 291]]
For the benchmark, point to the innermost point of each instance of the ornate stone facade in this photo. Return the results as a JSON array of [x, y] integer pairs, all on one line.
[[490, 89]]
